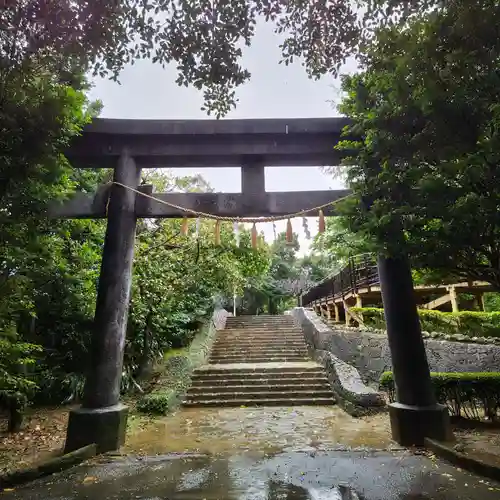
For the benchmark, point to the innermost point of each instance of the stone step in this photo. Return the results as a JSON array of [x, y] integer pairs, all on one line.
[[256, 341], [226, 374], [261, 324], [268, 334], [295, 393], [268, 348], [263, 370], [271, 401], [260, 317], [257, 348], [223, 339], [272, 334], [264, 336], [274, 382], [234, 321], [257, 345], [257, 338], [206, 388], [241, 379], [249, 358], [261, 354], [262, 328]]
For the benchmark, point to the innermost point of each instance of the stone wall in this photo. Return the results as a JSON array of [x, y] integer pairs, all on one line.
[[219, 318], [369, 352]]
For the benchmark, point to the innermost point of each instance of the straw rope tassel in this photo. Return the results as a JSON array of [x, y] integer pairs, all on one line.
[[254, 236], [217, 233], [184, 227], [289, 231], [321, 225]]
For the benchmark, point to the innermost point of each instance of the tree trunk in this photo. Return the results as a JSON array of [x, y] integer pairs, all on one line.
[[145, 363], [15, 415]]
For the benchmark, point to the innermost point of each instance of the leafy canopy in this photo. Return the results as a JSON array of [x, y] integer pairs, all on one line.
[[203, 38], [426, 106]]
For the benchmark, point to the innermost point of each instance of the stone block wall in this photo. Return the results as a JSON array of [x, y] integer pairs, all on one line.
[[369, 352], [219, 318]]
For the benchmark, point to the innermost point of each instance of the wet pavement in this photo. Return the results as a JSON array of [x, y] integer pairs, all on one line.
[[299, 453], [305, 475], [261, 429]]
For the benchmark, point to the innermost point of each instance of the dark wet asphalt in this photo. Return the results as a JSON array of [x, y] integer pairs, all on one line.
[[304, 475]]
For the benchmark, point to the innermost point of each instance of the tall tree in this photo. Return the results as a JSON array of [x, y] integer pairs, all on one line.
[[426, 106]]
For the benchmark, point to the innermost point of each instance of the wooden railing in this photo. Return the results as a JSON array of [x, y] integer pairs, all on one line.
[[360, 271]]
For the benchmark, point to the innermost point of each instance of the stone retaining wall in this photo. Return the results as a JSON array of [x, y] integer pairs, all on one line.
[[219, 318], [352, 394], [369, 352]]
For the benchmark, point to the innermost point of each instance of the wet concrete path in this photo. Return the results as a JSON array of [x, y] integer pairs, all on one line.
[[300, 453], [285, 476], [264, 429]]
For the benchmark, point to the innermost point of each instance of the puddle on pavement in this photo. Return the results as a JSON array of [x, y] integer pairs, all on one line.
[[325, 475], [264, 430]]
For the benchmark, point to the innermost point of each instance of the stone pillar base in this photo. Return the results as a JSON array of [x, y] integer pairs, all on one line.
[[410, 425], [106, 427]]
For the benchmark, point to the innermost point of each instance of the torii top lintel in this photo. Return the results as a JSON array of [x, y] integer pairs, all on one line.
[[210, 143]]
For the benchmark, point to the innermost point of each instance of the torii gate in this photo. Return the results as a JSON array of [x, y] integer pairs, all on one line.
[[130, 145]]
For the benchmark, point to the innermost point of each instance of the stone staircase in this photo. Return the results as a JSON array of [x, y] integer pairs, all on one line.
[[259, 360]]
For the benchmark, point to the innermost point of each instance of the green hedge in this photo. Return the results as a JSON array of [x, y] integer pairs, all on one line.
[[473, 396], [470, 323]]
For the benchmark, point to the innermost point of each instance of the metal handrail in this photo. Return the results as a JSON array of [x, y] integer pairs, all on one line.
[[360, 271]]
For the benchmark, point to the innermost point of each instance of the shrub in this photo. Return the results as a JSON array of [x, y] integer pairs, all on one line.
[[158, 403], [470, 323], [469, 395]]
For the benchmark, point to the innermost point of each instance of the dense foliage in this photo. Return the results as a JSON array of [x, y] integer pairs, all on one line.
[[46, 267], [474, 396], [426, 108]]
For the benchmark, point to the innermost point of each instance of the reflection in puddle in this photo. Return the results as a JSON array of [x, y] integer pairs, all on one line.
[[241, 478], [272, 490], [282, 491]]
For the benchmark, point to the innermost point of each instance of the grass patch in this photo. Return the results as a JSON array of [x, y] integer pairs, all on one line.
[[175, 373], [182, 351]]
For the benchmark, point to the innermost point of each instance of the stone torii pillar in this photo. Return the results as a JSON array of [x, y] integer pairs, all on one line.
[[102, 419], [415, 414]]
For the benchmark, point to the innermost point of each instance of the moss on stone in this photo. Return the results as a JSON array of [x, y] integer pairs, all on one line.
[[159, 402]]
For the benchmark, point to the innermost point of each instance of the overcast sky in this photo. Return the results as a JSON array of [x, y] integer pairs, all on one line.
[[275, 91]]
